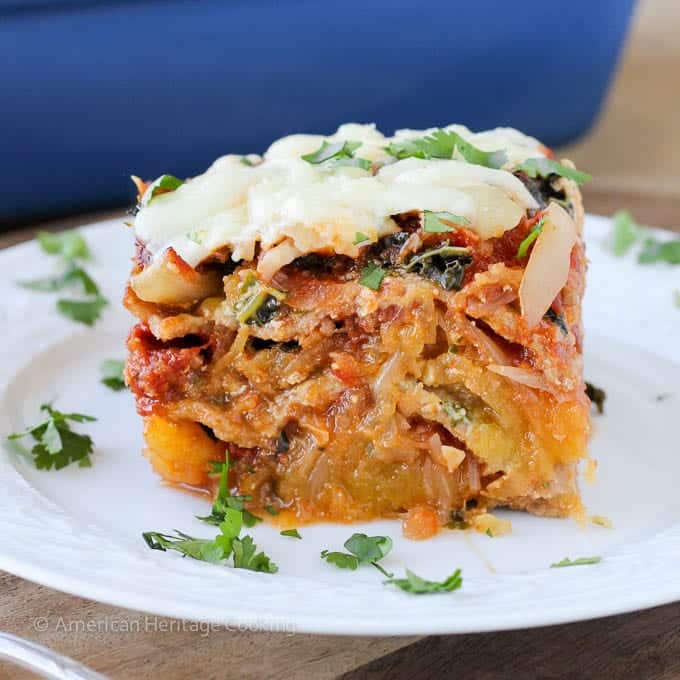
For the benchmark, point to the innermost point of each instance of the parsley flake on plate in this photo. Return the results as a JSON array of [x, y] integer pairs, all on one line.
[[625, 232], [547, 167], [443, 144], [372, 276], [70, 246], [579, 561], [337, 154], [413, 583], [112, 374], [57, 445], [293, 533], [228, 513], [441, 222], [362, 549], [216, 551], [82, 311]]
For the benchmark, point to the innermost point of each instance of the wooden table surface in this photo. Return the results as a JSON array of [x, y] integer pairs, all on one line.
[[633, 152]]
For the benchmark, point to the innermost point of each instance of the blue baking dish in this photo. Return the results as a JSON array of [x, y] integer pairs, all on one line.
[[94, 91]]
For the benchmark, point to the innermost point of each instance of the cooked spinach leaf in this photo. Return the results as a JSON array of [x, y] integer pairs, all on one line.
[[444, 265]]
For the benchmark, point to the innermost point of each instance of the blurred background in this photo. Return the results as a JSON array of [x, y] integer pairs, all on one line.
[[95, 90]]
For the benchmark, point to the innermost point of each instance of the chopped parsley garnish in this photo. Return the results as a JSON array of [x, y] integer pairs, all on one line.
[[362, 549], [547, 167], [293, 533], [372, 276], [419, 586], [597, 396], [57, 445], [444, 144], [272, 510], [489, 533], [338, 154], [441, 222], [112, 374], [83, 311], [360, 238], [445, 265], [165, 184], [246, 161], [228, 513], [566, 562], [523, 248], [625, 232], [217, 550], [660, 251], [225, 502], [70, 246]]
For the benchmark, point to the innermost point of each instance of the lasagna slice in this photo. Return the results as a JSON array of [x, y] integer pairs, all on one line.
[[367, 327]]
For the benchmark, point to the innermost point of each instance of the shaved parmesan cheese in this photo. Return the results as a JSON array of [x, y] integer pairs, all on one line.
[[548, 267]]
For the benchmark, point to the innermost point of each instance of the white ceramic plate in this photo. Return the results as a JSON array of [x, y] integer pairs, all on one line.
[[79, 530]]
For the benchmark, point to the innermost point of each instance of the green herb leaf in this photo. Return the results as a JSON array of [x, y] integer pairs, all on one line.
[[368, 548], [419, 586], [163, 185], [441, 222], [73, 275], [70, 244], [597, 396], [293, 533], [56, 444], [530, 238], [656, 251], [246, 557], [625, 232], [364, 550], [112, 374], [341, 560], [246, 161], [272, 510], [360, 238], [338, 154], [83, 311], [216, 551], [547, 167], [566, 562], [203, 549], [372, 276], [443, 144]]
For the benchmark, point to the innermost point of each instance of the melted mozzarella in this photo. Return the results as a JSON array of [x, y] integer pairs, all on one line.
[[236, 206]]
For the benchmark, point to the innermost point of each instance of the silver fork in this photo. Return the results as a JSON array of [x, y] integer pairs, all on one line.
[[43, 661]]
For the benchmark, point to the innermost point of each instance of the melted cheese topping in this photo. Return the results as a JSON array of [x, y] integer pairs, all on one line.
[[320, 209]]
